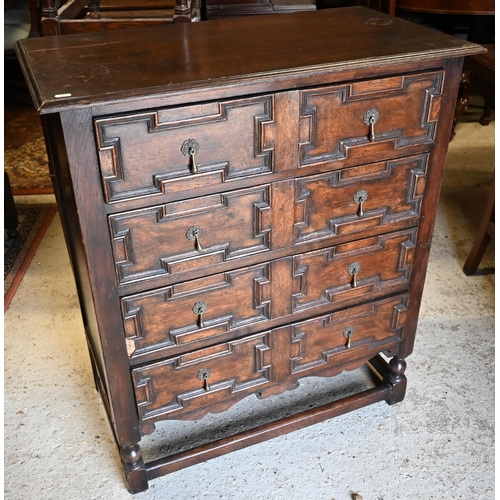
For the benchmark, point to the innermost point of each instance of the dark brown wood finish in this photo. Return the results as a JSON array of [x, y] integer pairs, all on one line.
[[162, 322], [269, 217], [292, 240], [466, 7], [172, 389], [228, 8], [221, 54]]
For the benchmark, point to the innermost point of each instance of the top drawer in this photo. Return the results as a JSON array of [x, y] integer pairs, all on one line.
[[192, 148], [360, 120], [184, 148]]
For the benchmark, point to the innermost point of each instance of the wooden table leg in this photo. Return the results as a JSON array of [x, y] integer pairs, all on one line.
[[485, 232], [11, 221]]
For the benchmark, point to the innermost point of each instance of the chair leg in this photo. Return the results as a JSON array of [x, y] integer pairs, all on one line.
[[488, 106], [11, 221], [484, 234]]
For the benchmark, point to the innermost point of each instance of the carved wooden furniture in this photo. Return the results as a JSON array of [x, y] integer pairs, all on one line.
[[83, 16], [246, 202]]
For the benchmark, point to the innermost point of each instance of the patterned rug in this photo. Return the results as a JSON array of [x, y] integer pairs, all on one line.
[[34, 221], [25, 156]]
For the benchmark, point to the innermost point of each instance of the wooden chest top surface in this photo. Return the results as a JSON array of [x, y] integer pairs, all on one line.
[[103, 67]]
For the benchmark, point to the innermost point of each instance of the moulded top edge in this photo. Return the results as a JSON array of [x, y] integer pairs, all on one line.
[[70, 71]]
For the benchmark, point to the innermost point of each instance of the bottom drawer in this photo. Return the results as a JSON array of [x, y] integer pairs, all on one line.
[[212, 379]]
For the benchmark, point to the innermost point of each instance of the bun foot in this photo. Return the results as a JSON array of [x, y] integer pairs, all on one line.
[[133, 468]]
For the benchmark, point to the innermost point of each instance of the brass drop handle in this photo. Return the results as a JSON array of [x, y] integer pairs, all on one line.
[[200, 308], [348, 333], [191, 148], [203, 374], [353, 270], [360, 197], [370, 118], [194, 233]]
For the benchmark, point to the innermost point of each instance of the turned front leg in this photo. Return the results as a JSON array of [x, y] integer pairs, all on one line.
[[396, 376], [133, 468]]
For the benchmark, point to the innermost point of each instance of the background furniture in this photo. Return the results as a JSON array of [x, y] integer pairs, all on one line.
[[479, 78], [482, 67], [467, 7], [485, 233], [21, 20], [10, 218], [455, 7], [229, 8], [228, 218], [473, 19], [82, 16]]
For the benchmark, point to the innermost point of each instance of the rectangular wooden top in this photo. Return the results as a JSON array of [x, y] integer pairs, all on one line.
[[103, 67]]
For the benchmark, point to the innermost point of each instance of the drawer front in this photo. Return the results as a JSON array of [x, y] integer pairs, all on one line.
[[357, 332], [335, 121], [245, 300], [170, 316], [353, 271], [178, 384], [182, 236], [225, 373], [178, 237], [351, 200], [143, 154]]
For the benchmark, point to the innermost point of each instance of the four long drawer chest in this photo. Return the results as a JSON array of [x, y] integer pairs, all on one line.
[[246, 202]]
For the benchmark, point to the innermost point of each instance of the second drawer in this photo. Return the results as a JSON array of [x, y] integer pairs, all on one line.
[[164, 242]]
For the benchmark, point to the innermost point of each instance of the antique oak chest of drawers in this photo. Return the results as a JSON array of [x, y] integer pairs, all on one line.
[[246, 203]]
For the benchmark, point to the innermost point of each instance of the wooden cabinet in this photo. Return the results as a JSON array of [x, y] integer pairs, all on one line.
[[240, 216]]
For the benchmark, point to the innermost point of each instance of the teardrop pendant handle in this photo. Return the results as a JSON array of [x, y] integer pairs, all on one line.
[[360, 197], [370, 118], [194, 233], [191, 148], [353, 270], [203, 374], [348, 333], [200, 308]]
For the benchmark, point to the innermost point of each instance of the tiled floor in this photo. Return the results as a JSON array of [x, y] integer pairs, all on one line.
[[436, 444]]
